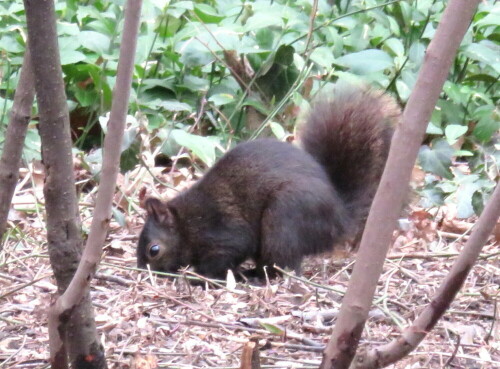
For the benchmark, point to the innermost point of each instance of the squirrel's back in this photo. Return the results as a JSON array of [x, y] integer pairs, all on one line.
[[349, 134]]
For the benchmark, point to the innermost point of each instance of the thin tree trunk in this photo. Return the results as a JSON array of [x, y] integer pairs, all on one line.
[[63, 225], [384, 355], [342, 346], [79, 285], [20, 116]]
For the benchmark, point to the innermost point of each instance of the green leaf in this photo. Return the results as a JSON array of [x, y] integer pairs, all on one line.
[[195, 54], [69, 29], [396, 46], [485, 129], [95, 41], [202, 147], [207, 14], [221, 99], [10, 44], [416, 53], [437, 159], [481, 78], [477, 202], [403, 90], [68, 43], [186, 5], [263, 20], [272, 328], [432, 129], [150, 83], [284, 55], [323, 56], [458, 94], [71, 57], [492, 19], [453, 132], [464, 195], [129, 137], [32, 146], [172, 105], [86, 97], [366, 61], [277, 130], [177, 10], [463, 153], [484, 51], [195, 83], [118, 216], [129, 158], [257, 104], [265, 38], [431, 197]]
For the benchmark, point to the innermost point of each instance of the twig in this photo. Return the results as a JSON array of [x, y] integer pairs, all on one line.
[[4, 362], [308, 282], [433, 255], [495, 311], [454, 353], [23, 286], [217, 324], [113, 278], [215, 282]]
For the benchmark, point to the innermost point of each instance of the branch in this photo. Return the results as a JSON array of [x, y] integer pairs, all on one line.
[[79, 285], [63, 223], [410, 338], [20, 116], [393, 185]]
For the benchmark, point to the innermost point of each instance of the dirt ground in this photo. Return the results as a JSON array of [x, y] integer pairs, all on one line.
[[175, 325]]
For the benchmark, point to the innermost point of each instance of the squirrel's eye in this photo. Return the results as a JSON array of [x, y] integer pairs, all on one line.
[[154, 250]]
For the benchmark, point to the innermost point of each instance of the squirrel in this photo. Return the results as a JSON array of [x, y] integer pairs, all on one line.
[[274, 202]]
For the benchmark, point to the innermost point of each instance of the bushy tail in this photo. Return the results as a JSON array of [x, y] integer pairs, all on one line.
[[349, 134]]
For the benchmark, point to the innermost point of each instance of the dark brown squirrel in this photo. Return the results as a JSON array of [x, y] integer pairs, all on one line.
[[273, 202]]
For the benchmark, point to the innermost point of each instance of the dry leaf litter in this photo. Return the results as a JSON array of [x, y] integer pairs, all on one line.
[[149, 322]]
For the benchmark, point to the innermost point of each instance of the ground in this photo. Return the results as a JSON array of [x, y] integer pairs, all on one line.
[[176, 325]]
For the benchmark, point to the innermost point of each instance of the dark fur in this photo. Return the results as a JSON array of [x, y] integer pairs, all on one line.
[[273, 202]]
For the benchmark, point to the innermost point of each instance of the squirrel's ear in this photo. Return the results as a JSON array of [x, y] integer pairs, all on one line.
[[158, 210]]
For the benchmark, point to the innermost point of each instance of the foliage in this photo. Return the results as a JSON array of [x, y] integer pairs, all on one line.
[[186, 96]]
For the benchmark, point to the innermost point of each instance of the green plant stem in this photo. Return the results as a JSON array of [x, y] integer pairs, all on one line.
[[327, 23]]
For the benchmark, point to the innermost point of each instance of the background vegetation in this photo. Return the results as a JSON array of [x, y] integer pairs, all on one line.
[[184, 94]]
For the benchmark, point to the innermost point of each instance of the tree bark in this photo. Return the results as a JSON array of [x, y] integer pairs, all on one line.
[[63, 225], [384, 355], [79, 286], [388, 201], [20, 116]]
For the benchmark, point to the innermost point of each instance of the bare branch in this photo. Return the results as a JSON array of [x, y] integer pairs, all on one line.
[[393, 185], [413, 335], [63, 225], [20, 116], [79, 285]]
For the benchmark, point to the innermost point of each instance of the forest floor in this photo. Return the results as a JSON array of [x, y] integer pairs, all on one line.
[[170, 324]]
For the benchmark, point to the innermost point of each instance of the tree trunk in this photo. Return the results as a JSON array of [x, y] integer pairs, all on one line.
[[388, 201], [63, 225], [79, 286], [20, 116]]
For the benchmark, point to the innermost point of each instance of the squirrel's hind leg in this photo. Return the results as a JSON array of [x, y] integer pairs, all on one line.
[[298, 221]]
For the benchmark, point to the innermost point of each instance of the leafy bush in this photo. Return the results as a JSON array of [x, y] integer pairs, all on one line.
[[187, 93]]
